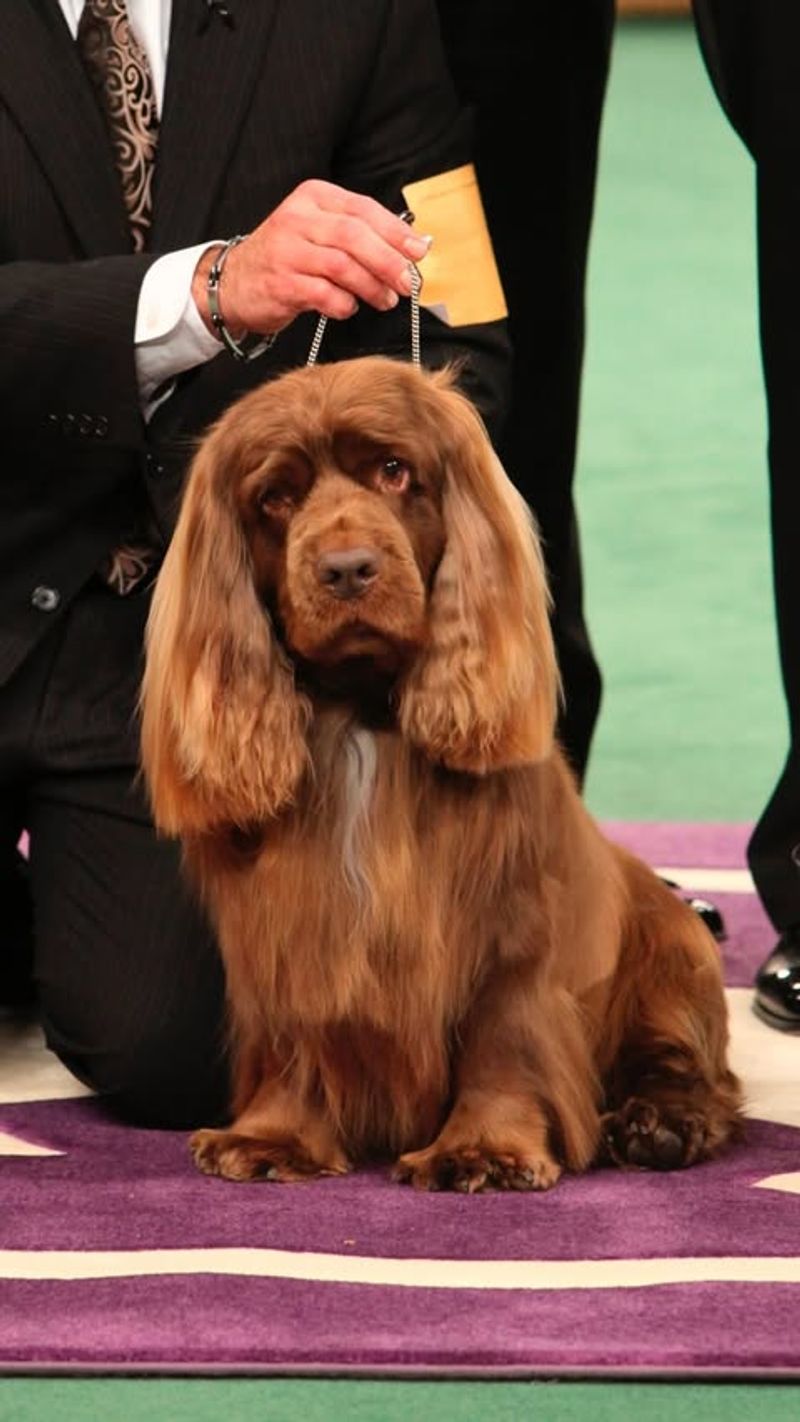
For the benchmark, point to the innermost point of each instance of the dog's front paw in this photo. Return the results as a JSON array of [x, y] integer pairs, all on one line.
[[240, 1157], [471, 1169], [649, 1137]]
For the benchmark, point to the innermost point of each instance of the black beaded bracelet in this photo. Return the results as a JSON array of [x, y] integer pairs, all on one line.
[[238, 349]]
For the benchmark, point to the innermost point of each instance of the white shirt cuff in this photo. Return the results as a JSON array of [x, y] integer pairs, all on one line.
[[170, 335]]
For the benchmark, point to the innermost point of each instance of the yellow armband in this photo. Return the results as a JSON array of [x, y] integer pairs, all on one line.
[[460, 281]]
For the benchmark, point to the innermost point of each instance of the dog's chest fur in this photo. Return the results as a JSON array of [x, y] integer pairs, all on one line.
[[355, 935], [388, 876]]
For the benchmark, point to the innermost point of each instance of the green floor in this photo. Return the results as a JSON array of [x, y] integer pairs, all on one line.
[[286, 1400], [672, 479], [673, 506]]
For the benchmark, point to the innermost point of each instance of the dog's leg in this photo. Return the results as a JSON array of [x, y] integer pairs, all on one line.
[[671, 1097], [471, 1154], [273, 1140], [525, 1094], [276, 1135]]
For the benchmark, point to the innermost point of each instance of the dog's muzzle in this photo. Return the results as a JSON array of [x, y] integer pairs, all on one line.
[[348, 573]]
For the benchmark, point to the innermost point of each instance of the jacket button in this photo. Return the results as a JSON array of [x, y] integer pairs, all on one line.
[[85, 424], [101, 426], [45, 599]]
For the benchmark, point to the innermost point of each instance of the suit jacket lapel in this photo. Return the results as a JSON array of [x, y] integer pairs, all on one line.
[[210, 78], [43, 84]]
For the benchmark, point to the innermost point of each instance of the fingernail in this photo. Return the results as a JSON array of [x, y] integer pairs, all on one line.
[[390, 299], [417, 247], [405, 283]]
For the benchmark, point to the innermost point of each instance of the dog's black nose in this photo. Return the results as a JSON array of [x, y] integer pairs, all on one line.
[[348, 572]]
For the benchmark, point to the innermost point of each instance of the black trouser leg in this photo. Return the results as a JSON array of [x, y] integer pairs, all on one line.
[[130, 986], [752, 48], [537, 86], [129, 982], [774, 850], [16, 912]]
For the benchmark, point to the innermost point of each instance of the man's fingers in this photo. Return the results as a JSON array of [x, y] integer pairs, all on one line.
[[364, 257], [345, 272], [328, 299], [378, 219]]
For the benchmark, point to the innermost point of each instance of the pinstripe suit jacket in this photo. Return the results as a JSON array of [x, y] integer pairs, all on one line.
[[350, 90]]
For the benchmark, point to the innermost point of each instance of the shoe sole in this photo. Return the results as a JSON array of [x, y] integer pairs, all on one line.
[[772, 1019]]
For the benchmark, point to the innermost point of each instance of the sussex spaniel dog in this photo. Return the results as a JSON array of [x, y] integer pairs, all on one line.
[[432, 953]]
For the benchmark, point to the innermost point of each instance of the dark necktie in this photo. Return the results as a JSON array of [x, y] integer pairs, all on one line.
[[120, 75], [117, 66]]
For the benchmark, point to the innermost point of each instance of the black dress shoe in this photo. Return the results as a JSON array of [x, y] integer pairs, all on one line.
[[777, 999], [710, 914]]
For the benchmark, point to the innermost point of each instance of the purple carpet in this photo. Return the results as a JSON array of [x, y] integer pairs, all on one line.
[[692, 1274]]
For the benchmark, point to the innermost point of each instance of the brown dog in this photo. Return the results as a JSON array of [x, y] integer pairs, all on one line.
[[348, 711]]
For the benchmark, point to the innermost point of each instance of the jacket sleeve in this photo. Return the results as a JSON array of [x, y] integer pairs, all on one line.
[[68, 350]]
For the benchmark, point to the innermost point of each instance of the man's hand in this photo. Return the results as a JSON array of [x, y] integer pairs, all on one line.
[[323, 249]]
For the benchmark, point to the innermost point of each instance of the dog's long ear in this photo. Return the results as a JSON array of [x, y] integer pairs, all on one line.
[[222, 725], [483, 695]]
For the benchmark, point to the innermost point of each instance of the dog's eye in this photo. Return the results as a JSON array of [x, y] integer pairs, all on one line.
[[393, 475], [277, 502]]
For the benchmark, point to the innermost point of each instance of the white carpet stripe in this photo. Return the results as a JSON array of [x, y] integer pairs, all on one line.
[[405, 1273], [710, 881], [789, 1182], [767, 1061], [13, 1145]]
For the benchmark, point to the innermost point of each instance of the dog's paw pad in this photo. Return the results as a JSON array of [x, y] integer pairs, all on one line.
[[642, 1135], [473, 1170]]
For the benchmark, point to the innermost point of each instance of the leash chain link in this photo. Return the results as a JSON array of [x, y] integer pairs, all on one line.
[[416, 343]]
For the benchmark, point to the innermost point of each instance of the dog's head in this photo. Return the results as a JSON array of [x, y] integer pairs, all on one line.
[[345, 527], [341, 501]]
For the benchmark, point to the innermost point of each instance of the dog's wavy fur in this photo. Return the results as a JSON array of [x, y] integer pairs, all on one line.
[[431, 950]]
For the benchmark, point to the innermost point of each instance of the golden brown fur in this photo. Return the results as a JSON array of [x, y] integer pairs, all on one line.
[[432, 952]]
